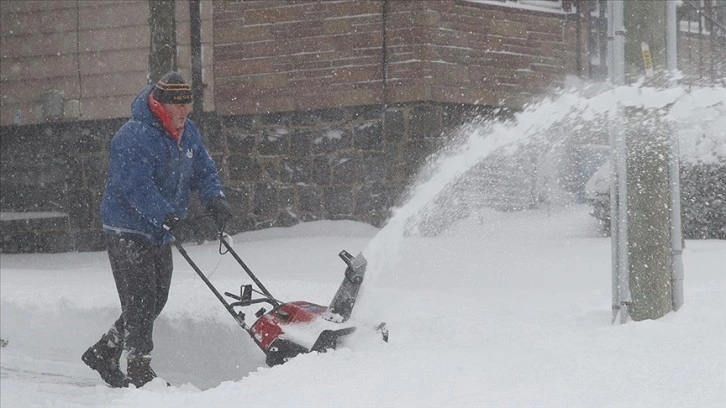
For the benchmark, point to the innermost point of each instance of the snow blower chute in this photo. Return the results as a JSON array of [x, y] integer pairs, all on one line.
[[292, 328]]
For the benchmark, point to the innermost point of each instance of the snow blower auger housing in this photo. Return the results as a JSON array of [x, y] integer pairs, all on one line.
[[292, 328]]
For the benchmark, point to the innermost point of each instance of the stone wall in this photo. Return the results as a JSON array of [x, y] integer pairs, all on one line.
[[278, 169], [53, 168], [703, 197]]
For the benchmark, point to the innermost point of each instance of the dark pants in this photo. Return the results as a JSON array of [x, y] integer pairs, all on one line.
[[143, 274]]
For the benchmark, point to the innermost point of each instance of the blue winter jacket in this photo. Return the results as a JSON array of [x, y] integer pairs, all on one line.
[[150, 176]]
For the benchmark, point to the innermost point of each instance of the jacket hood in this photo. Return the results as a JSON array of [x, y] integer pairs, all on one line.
[[140, 107]]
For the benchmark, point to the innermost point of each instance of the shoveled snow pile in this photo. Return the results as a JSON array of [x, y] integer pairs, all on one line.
[[501, 310]]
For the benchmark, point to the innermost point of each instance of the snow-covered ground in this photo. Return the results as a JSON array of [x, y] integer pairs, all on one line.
[[496, 310], [501, 310]]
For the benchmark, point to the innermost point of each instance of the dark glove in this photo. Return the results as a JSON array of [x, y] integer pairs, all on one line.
[[220, 211], [177, 227]]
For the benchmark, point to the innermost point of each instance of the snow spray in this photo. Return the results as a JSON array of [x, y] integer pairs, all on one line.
[[576, 107]]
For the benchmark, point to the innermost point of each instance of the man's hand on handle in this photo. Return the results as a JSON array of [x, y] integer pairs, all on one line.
[[178, 227], [220, 211]]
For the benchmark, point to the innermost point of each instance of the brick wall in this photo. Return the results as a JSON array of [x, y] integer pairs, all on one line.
[[285, 56], [54, 168], [83, 51], [92, 55], [460, 51]]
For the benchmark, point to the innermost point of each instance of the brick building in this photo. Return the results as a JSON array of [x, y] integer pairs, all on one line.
[[312, 109]]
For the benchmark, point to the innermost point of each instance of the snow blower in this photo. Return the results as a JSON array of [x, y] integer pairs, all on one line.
[[292, 328]]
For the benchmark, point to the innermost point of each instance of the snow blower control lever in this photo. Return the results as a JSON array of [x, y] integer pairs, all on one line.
[[292, 328]]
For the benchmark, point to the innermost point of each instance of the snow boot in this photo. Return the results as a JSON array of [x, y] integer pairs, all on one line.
[[139, 371], [104, 357]]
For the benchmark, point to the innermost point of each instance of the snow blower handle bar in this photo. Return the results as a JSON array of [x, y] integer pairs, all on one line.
[[238, 316], [252, 276], [245, 298]]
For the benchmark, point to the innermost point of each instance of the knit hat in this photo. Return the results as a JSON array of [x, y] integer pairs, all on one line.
[[172, 88]]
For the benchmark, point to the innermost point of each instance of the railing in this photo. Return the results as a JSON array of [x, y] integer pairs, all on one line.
[[710, 18], [701, 40], [702, 48]]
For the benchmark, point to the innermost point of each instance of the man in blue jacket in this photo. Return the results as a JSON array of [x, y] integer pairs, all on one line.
[[156, 159]]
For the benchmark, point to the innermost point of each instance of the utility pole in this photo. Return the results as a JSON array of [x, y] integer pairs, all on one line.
[[195, 28], [162, 30], [646, 254]]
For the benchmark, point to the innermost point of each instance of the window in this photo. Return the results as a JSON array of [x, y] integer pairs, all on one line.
[[719, 13], [701, 16], [692, 12], [545, 4]]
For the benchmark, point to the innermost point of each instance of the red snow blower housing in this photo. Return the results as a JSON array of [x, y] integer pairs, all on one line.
[[292, 328]]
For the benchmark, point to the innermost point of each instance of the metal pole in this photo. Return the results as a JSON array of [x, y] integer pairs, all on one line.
[[611, 40], [618, 42], [674, 167], [614, 221], [384, 53], [618, 193], [671, 39], [623, 238], [677, 273], [195, 30], [614, 224]]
